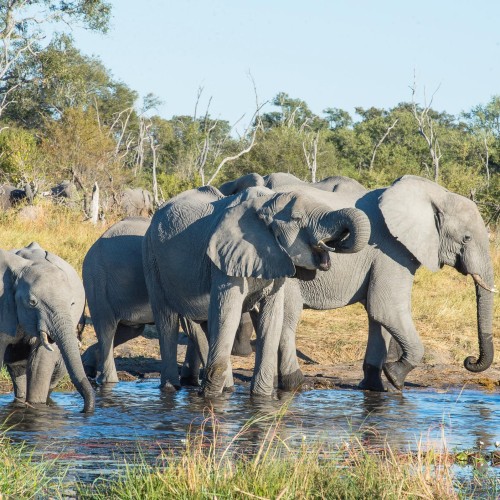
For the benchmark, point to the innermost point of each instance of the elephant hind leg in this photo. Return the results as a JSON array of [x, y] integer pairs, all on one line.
[[105, 331], [375, 356]]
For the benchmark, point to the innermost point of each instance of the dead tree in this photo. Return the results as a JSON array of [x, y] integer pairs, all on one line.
[[94, 204], [379, 143], [428, 132], [311, 154]]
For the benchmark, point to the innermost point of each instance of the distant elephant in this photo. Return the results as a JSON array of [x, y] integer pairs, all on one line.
[[65, 191], [414, 222], [210, 258], [118, 301], [137, 202], [10, 196], [41, 306]]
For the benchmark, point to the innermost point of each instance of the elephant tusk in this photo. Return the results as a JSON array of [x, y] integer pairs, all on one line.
[[321, 244], [482, 284], [45, 341]]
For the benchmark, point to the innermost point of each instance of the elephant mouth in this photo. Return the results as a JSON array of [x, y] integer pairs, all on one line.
[[46, 341], [322, 251]]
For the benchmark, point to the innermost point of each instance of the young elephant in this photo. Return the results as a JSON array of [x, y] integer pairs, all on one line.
[[118, 301], [209, 257], [41, 304]]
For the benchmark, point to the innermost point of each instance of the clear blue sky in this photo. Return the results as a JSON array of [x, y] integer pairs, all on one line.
[[330, 53]]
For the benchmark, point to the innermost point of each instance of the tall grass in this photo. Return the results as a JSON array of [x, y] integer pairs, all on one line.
[[210, 468], [21, 476]]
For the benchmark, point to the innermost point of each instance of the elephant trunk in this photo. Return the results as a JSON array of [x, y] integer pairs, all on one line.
[[348, 230], [484, 298], [67, 342]]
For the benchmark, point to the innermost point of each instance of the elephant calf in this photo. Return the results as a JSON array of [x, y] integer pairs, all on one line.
[[41, 305]]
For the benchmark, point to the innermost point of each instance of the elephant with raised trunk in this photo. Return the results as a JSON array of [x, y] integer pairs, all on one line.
[[414, 222], [209, 258], [41, 306]]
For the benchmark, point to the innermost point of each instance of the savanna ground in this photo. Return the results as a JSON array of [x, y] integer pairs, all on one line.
[[331, 344]]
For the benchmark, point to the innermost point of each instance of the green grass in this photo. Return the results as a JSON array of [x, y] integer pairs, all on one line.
[[209, 468], [21, 476]]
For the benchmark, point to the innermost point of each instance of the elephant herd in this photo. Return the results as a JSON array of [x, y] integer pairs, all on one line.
[[252, 253]]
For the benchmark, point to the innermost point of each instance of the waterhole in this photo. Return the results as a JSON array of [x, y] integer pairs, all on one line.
[[135, 418]]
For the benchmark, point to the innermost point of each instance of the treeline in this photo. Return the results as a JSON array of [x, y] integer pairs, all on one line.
[[64, 116]]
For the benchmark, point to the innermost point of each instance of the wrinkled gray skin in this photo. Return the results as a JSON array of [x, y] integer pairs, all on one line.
[[414, 222], [118, 301], [137, 202], [210, 258], [41, 295]]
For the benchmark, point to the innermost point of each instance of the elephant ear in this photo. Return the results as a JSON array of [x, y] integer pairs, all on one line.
[[411, 210], [11, 266], [243, 245]]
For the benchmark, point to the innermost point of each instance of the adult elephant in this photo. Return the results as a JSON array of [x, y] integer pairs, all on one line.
[[118, 302], [209, 258], [137, 202], [414, 222], [41, 305], [338, 183]]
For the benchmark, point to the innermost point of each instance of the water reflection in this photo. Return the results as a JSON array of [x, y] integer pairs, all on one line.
[[132, 414]]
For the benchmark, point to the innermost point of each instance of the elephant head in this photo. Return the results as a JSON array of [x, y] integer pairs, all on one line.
[[37, 298], [270, 236], [442, 228]]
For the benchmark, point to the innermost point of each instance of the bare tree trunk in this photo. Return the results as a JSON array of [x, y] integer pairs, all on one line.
[[487, 161], [311, 155], [379, 143], [155, 180], [94, 204], [427, 131]]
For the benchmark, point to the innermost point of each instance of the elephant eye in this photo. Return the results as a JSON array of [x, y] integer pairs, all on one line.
[[33, 302], [467, 238]]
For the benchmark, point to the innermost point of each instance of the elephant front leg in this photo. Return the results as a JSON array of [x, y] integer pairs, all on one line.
[[290, 376], [41, 366], [226, 303], [17, 372], [269, 329]]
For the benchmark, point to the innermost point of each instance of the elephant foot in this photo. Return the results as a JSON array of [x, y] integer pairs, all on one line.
[[190, 381], [169, 387], [242, 349], [372, 380], [292, 381], [396, 372], [103, 380]]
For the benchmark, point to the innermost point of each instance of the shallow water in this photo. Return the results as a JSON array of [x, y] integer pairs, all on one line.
[[133, 416]]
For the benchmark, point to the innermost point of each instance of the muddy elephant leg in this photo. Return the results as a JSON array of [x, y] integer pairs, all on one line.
[[290, 376], [242, 345], [190, 371], [375, 356], [17, 372], [105, 331], [167, 324], [269, 329], [59, 372], [226, 303]]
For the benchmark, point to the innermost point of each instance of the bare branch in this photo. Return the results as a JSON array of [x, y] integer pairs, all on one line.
[[379, 143]]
